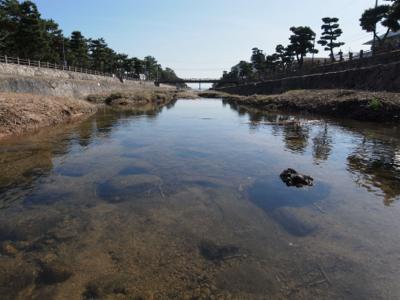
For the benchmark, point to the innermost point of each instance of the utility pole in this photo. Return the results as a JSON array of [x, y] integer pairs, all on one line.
[[63, 45], [312, 60], [374, 42]]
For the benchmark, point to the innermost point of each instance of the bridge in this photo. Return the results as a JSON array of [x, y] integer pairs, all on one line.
[[193, 80]]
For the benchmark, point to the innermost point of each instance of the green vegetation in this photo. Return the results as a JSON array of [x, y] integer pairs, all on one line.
[[375, 104], [25, 34], [386, 15], [302, 43], [331, 32]]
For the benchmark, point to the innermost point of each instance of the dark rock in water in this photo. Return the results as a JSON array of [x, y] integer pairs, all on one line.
[[216, 253], [53, 272], [110, 287], [293, 178]]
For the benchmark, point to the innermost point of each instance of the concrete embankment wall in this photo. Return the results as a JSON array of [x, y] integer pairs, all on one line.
[[49, 82], [374, 78]]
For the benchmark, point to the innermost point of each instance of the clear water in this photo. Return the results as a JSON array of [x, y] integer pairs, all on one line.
[[185, 202]]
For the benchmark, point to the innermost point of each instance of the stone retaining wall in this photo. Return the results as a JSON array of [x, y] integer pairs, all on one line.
[[375, 78], [49, 82]]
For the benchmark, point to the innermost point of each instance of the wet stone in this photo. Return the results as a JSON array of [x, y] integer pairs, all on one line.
[[292, 178], [211, 251]]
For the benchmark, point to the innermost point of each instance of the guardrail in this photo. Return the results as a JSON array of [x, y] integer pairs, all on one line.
[[47, 65], [345, 62]]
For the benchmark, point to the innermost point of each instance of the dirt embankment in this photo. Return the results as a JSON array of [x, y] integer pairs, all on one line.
[[20, 113], [359, 105], [136, 98]]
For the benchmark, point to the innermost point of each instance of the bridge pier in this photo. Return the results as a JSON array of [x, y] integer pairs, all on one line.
[[199, 86]]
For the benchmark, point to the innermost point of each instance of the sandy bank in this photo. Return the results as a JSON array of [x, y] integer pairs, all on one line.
[[359, 105], [134, 98], [21, 113]]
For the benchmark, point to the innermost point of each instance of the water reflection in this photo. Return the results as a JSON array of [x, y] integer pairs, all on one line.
[[296, 137], [374, 161], [163, 203], [322, 145], [375, 166], [25, 164]]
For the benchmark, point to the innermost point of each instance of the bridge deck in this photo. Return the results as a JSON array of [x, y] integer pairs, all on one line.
[[190, 80]]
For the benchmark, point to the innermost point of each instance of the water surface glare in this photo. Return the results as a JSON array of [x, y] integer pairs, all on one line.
[[185, 202]]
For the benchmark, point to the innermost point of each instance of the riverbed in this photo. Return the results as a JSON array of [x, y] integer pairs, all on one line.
[[185, 202]]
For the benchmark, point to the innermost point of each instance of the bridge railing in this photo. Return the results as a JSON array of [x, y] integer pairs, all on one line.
[[48, 65]]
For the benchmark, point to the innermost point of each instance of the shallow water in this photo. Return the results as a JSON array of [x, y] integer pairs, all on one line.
[[185, 202]]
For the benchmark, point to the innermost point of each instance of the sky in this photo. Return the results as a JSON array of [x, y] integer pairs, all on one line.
[[201, 38]]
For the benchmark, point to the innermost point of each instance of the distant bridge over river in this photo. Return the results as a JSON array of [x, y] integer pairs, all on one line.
[[193, 80]]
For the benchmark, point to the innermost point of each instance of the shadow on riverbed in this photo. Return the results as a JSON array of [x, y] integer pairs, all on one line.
[[276, 198]]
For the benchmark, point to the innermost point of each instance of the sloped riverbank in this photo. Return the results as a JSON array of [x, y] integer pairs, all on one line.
[[358, 105], [21, 113]]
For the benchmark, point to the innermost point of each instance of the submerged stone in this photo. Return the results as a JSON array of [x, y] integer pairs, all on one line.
[[211, 251], [53, 272], [125, 188], [108, 287]]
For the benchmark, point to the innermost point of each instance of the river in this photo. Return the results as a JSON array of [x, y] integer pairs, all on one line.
[[186, 202]]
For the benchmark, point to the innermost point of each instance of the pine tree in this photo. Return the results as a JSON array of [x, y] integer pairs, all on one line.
[[55, 44], [30, 37], [302, 42], [330, 33], [98, 54], [9, 20], [79, 50], [258, 60]]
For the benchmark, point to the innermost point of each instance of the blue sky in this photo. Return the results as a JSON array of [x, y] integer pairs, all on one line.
[[201, 38]]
